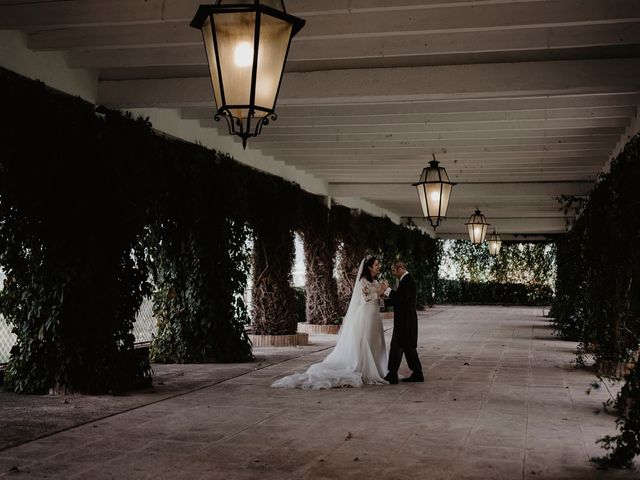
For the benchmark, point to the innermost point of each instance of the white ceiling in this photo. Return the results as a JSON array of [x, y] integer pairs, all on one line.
[[521, 101]]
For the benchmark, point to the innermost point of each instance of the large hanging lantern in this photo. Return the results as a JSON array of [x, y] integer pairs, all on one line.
[[495, 243], [477, 227], [434, 192], [247, 42]]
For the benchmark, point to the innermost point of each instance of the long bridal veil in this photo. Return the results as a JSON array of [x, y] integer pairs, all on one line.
[[340, 368]]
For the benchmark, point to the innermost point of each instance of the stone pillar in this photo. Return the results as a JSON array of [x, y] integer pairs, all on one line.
[[273, 310], [321, 289], [350, 252]]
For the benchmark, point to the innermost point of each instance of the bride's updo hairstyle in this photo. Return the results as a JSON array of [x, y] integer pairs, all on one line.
[[366, 269]]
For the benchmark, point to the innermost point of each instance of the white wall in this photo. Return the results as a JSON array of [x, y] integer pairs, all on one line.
[[49, 67]]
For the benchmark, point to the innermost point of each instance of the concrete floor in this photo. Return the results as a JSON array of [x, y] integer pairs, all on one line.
[[501, 400]]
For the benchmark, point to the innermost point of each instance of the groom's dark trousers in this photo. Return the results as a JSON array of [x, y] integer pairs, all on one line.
[[405, 327]]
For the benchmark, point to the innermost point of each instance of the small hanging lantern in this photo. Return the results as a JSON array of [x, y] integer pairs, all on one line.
[[494, 244], [477, 227], [434, 192], [247, 42]]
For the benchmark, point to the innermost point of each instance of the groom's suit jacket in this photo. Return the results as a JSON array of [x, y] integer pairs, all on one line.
[[405, 318]]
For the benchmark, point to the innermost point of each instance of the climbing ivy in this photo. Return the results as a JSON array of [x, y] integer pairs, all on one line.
[[72, 216], [598, 298], [99, 211]]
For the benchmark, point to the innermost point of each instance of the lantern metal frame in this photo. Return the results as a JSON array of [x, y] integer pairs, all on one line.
[[477, 219], [495, 244], [237, 125], [443, 179]]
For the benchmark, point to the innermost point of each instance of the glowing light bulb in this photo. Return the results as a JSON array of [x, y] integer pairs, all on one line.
[[477, 231], [243, 54], [435, 196]]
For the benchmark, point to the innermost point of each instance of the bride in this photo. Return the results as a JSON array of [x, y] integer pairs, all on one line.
[[360, 355]]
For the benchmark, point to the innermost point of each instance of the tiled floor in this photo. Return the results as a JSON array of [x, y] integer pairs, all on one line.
[[501, 400]]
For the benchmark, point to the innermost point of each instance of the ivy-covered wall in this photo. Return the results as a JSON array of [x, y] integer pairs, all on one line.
[[97, 210], [598, 290], [196, 244], [73, 209]]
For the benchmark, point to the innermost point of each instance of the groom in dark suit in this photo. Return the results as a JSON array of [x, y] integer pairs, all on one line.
[[405, 326]]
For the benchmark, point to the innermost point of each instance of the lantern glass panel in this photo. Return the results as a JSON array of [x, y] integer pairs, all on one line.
[[437, 174], [474, 233], [433, 174], [434, 198], [235, 36], [446, 195], [423, 199], [207, 33], [272, 51]]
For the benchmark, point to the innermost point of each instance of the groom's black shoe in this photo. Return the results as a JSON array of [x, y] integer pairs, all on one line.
[[391, 378], [415, 377]]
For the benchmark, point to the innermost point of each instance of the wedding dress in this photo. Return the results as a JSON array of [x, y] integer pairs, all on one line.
[[360, 355]]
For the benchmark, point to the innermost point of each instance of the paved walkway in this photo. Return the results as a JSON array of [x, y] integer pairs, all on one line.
[[501, 400]]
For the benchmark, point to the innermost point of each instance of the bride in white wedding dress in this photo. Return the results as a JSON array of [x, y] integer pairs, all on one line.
[[360, 355]]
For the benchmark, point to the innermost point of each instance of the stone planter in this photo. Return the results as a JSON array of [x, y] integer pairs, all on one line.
[[312, 329], [294, 340], [387, 315]]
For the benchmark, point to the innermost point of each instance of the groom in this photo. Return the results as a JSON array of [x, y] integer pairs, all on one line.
[[405, 326]]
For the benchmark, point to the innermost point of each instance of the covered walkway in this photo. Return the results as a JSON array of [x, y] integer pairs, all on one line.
[[502, 399]]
